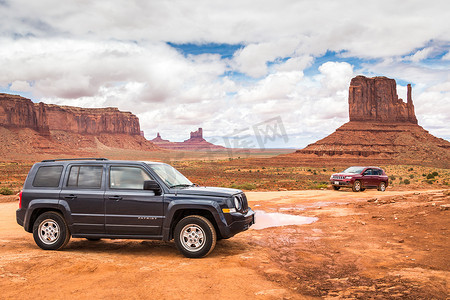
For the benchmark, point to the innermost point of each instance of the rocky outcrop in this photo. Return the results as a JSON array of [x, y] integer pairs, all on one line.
[[16, 111], [375, 99], [195, 142], [45, 128], [382, 128]]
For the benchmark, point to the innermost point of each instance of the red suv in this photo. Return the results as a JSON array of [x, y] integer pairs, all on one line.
[[360, 178]]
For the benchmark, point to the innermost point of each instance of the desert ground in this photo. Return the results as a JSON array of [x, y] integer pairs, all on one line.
[[368, 245]]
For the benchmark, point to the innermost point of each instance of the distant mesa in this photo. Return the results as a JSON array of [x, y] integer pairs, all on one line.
[[382, 127], [27, 127], [195, 142]]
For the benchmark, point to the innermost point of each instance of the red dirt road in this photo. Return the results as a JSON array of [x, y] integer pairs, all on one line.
[[391, 245]]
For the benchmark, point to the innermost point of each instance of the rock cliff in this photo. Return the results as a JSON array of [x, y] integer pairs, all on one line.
[[195, 142], [16, 111], [38, 127], [382, 128]]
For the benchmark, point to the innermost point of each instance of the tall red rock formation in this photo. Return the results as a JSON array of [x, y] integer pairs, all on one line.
[[375, 99], [60, 127], [382, 127], [195, 142]]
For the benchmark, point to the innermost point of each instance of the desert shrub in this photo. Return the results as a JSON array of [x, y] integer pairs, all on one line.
[[424, 174], [435, 174], [430, 181], [410, 169], [430, 176], [392, 177], [334, 169], [324, 170], [6, 191], [315, 173], [400, 178], [309, 170], [243, 186], [406, 181], [411, 176], [263, 168]]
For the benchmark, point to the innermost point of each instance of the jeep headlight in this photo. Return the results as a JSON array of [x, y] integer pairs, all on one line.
[[348, 177], [237, 203]]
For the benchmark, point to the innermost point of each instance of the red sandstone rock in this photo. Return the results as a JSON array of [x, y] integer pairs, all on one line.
[[195, 142], [375, 99], [16, 111], [381, 127], [65, 129]]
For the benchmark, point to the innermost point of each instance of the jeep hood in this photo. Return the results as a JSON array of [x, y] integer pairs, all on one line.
[[206, 191]]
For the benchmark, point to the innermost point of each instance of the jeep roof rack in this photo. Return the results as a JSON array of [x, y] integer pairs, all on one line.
[[80, 158]]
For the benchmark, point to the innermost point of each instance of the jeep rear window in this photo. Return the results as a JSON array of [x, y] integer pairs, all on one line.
[[48, 176], [89, 177]]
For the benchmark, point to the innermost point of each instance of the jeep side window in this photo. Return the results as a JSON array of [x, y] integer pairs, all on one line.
[[89, 177], [48, 176], [127, 178]]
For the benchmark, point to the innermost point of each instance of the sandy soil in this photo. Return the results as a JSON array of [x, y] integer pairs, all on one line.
[[391, 245]]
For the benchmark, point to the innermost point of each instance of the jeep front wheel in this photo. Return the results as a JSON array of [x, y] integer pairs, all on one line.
[[50, 231], [195, 236], [356, 186]]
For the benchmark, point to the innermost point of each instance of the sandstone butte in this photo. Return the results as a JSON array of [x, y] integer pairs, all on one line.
[[382, 128], [195, 142], [28, 128]]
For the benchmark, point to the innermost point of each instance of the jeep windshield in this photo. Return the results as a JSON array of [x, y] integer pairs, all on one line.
[[353, 170], [171, 177]]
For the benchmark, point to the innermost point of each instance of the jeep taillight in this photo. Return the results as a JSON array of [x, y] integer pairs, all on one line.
[[20, 199]]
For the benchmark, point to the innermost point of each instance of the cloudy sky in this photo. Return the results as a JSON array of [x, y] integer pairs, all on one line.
[[227, 66]]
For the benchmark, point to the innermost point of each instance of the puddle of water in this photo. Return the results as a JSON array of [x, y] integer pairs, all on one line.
[[265, 220]]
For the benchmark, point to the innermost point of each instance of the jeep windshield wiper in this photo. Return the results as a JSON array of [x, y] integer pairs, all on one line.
[[180, 185]]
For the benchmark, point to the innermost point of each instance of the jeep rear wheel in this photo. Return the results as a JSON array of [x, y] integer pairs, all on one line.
[[195, 236], [50, 231], [382, 186], [356, 186]]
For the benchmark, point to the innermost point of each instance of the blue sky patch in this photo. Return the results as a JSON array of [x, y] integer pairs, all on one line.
[[225, 50]]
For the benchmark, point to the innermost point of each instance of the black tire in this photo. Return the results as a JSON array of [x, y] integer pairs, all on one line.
[[356, 186], [336, 188], [93, 239], [195, 236], [362, 189], [50, 231], [382, 186]]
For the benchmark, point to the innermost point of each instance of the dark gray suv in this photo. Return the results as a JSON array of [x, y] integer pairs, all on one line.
[[100, 198]]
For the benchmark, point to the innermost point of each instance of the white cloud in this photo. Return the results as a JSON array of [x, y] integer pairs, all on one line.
[[107, 53], [420, 55]]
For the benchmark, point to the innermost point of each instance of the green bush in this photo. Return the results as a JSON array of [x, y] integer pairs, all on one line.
[[410, 169], [392, 177], [430, 176], [406, 181], [243, 186], [435, 174], [6, 191], [411, 176]]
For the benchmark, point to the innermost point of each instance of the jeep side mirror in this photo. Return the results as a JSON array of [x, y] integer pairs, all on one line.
[[151, 185]]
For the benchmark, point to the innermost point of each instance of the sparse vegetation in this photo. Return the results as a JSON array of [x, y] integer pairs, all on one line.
[[6, 191], [406, 181]]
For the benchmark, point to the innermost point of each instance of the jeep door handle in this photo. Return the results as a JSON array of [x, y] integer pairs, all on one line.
[[70, 197], [115, 198]]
